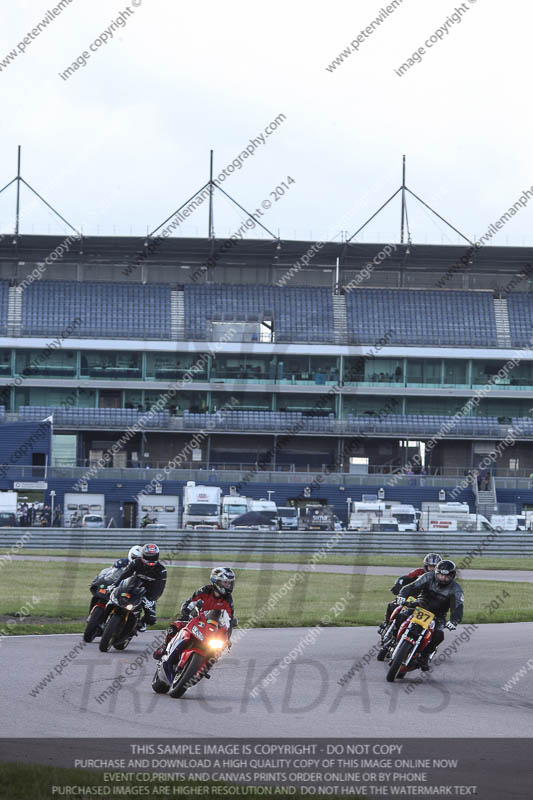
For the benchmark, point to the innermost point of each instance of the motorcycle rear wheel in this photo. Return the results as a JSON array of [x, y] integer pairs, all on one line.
[[179, 686], [95, 620], [110, 633], [398, 660]]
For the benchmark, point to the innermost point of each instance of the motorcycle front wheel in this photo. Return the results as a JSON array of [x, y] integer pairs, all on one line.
[[179, 685], [95, 620], [397, 661], [111, 632]]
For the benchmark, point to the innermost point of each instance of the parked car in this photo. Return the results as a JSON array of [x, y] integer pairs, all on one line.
[[92, 521]]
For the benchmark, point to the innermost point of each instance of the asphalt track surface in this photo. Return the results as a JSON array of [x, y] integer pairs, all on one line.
[[460, 698], [518, 576]]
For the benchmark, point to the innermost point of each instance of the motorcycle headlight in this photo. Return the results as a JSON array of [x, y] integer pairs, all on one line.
[[129, 607], [216, 644]]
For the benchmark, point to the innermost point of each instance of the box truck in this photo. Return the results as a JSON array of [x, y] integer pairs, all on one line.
[[201, 507]]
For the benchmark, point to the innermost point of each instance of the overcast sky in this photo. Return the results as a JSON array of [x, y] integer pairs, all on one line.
[[125, 140]]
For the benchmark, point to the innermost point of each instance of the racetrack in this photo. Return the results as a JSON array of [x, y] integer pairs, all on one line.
[[460, 698]]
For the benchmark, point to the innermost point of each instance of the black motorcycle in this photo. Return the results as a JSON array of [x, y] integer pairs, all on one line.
[[100, 591], [123, 612]]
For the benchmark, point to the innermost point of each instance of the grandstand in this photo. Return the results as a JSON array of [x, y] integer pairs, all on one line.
[[324, 371]]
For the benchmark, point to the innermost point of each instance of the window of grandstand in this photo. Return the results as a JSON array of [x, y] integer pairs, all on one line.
[[236, 331], [455, 372], [424, 371], [111, 364], [307, 369], [46, 363], [169, 366], [243, 368], [246, 401], [5, 362], [373, 370], [359, 465]]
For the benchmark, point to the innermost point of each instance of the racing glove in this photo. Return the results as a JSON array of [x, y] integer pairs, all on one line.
[[400, 600], [451, 626]]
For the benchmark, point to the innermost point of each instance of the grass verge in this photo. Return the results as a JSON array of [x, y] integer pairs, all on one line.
[[57, 597], [34, 782]]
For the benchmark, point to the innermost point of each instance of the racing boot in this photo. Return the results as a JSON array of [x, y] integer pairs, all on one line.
[[424, 660]]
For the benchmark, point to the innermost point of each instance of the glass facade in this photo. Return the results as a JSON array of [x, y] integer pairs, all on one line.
[[359, 378], [107, 365]]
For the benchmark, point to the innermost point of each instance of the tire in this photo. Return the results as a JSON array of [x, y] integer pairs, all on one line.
[[398, 660], [122, 645], [159, 686], [95, 620], [189, 671], [111, 630]]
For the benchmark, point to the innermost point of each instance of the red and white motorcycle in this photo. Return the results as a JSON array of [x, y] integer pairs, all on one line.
[[207, 637]]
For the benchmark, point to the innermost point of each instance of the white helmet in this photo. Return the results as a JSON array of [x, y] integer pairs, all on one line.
[[223, 579], [135, 552]]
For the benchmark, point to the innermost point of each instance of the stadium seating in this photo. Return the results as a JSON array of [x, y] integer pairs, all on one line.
[[420, 317], [102, 417], [520, 309], [427, 425], [303, 314], [277, 421], [4, 299], [121, 310]]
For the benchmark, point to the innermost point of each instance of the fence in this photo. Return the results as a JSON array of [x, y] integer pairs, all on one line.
[[181, 542]]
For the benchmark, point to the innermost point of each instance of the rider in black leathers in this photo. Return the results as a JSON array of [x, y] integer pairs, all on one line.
[[438, 592], [112, 573], [154, 577]]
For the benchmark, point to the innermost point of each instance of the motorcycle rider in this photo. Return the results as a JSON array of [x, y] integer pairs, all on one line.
[[430, 562], [216, 595], [119, 564], [153, 575], [439, 593]]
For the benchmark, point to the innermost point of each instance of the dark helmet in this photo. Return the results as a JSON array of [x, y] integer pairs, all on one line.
[[223, 579], [445, 572], [150, 554], [431, 560]]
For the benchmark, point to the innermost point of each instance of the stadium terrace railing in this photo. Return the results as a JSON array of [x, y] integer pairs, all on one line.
[[179, 543], [379, 477]]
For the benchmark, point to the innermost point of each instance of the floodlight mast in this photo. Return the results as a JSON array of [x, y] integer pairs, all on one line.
[[404, 218], [403, 200], [19, 179]]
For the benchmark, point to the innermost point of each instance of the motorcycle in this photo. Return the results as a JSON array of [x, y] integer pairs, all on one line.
[[413, 636], [206, 635], [388, 633], [100, 590], [123, 614]]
